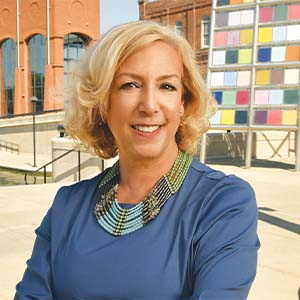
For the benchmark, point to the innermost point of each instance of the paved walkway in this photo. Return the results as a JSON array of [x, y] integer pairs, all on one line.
[[278, 197], [23, 161]]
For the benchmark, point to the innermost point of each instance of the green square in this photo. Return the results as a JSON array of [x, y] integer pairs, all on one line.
[[280, 13], [231, 56], [228, 98], [291, 97]]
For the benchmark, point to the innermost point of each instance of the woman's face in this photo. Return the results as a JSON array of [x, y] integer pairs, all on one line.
[[146, 103]]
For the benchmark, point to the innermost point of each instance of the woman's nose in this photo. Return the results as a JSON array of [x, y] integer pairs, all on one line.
[[148, 101]]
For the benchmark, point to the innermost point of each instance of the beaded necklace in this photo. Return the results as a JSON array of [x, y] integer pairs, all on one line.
[[120, 221]]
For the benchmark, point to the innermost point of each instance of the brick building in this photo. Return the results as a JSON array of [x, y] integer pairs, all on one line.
[[38, 39], [191, 17]]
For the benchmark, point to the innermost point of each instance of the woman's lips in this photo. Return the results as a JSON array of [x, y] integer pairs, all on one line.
[[146, 128]]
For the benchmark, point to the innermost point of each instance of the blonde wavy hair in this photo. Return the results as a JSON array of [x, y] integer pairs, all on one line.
[[92, 77]]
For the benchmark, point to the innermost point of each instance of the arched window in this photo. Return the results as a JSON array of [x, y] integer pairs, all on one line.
[[179, 27], [74, 46], [205, 34], [37, 65], [9, 64]]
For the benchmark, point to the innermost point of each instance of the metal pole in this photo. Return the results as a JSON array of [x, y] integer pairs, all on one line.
[[252, 84], [34, 100], [203, 148], [79, 175]]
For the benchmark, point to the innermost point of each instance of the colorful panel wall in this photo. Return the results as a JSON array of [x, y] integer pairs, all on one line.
[[254, 63]]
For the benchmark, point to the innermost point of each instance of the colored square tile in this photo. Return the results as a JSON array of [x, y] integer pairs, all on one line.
[[274, 117], [279, 33], [230, 78], [233, 37], [235, 2], [220, 38], [219, 58], [227, 117], [217, 79], [247, 16], [232, 56], [265, 14], [294, 12], [265, 34], [260, 117], [280, 13], [241, 117], [234, 18], [278, 54], [218, 96], [261, 97], [291, 97], [242, 97], [291, 76], [222, 2], [245, 56], [289, 117], [293, 53], [243, 78], [293, 32], [216, 118], [246, 36], [229, 98], [262, 77], [276, 97], [221, 19], [277, 76], [264, 54]]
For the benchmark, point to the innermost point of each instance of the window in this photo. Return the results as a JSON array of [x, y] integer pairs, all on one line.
[[37, 64], [178, 27], [205, 36], [74, 45], [9, 65]]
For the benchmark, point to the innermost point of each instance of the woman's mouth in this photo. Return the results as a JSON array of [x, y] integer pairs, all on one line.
[[146, 128]]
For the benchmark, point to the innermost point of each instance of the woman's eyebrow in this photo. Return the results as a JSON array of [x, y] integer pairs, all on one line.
[[138, 76]]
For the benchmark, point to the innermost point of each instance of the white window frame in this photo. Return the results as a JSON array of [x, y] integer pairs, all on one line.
[[205, 26]]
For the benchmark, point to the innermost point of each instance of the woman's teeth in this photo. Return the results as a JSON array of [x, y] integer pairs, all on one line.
[[146, 128]]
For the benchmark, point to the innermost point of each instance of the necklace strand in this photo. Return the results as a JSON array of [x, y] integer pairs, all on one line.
[[120, 221]]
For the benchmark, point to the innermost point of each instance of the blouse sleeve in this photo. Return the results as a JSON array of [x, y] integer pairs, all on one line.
[[226, 243], [36, 281]]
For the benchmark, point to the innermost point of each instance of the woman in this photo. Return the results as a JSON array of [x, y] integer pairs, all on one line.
[[157, 225]]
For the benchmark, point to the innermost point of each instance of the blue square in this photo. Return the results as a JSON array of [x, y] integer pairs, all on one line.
[[218, 96], [264, 54], [230, 78]]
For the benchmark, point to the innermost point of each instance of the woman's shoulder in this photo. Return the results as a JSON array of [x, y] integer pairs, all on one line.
[[78, 190], [211, 174]]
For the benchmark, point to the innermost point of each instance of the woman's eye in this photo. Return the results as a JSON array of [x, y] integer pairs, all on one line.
[[129, 85], [168, 86]]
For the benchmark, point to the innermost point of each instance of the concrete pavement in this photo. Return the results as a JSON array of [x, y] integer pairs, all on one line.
[[278, 197]]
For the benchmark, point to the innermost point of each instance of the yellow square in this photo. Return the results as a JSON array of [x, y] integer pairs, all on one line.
[[245, 56], [265, 35], [246, 36], [227, 117], [262, 77], [289, 117]]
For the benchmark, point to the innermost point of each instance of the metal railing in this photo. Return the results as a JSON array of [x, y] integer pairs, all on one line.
[[10, 146], [51, 162]]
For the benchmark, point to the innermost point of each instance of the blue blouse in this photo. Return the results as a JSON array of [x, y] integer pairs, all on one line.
[[202, 245]]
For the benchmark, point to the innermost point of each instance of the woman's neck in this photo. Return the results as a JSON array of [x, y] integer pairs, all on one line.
[[137, 178]]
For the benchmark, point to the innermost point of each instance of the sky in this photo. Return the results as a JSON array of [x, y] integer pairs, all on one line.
[[115, 12]]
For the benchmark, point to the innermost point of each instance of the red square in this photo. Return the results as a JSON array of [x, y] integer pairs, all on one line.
[[242, 97], [275, 117]]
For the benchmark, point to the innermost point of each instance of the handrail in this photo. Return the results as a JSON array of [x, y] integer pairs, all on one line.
[[10, 145], [51, 162]]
